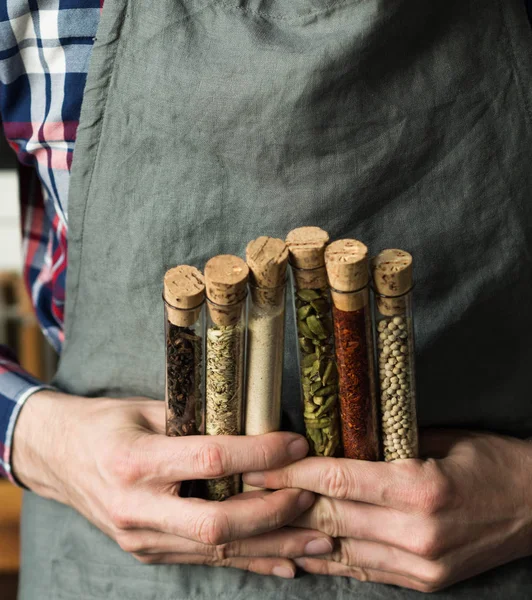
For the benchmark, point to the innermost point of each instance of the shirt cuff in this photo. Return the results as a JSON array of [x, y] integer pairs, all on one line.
[[16, 386]]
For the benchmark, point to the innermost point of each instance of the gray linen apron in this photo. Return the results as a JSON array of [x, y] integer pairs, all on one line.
[[207, 123]]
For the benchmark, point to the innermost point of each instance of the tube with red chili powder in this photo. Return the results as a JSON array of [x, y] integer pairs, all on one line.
[[347, 269]]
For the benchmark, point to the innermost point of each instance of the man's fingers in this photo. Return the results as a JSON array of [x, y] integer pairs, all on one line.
[[345, 518], [288, 542], [263, 566], [362, 554], [376, 562], [215, 523], [285, 543], [325, 567], [212, 457], [386, 484]]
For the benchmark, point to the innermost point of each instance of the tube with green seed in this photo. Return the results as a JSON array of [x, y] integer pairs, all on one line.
[[318, 373]]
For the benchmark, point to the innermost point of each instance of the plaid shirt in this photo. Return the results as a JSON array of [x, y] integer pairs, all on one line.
[[45, 47]]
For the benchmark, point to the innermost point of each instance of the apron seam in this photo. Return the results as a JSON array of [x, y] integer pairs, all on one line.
[[98, 147]]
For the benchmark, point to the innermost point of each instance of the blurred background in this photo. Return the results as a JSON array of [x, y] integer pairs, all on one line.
[[19, 331]]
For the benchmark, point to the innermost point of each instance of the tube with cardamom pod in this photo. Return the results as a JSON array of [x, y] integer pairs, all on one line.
[[317, 365], [393, 283], [348, 272], [226, 279]]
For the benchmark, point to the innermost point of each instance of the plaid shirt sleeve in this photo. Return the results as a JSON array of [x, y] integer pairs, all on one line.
[[16, 385], [45, 48]]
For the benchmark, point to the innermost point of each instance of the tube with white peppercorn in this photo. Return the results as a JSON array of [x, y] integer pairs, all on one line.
[[226, 280], [184, 294], [317, 365], [392, 280]]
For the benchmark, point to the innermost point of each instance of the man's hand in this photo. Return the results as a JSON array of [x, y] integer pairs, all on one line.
[[110, 460], [419, 524]]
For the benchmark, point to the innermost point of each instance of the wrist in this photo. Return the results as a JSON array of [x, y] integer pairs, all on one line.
[[40, 439]]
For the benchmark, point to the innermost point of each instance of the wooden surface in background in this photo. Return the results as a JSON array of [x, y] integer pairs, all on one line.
[[10, 503], [24, 334]]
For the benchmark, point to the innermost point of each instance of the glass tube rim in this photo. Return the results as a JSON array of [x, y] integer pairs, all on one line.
[[213, 303], [372, 285], [263, 287], [182, 309], [358, 290], [304, 269]]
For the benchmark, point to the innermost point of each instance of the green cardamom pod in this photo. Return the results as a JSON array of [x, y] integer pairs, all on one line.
[[327, 390], [318, 423], [308, 360], [306, 345], [308, 295], [331, 401], [328, 372], [314, 387], [316, 327], [303, 312], [304, 330]]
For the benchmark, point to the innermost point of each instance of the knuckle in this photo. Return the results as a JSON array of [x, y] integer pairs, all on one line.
[[211, 529], [129, 542], [435, 576], [428, 544], [434, 493], [121, 516], [275, 518], [323, 517], [123, 466], [221, 552], [337, 482], [267, 456], [360, 574], [210, 461]]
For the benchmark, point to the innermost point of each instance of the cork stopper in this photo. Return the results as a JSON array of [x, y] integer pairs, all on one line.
[[184, 292], [267, 259], [306, 246], [347, 268], [392, 278], [226, 278]]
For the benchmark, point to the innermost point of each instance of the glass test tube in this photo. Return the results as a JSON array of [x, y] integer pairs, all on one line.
[[392, 277], [226, 280], [184, 312], [317, 365], [348, 272], [267, 260]]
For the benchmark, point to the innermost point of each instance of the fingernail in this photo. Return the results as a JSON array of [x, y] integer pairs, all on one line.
[[305, 500], [283, 572], [254, 479], [298, 448], [318, 546], [300, 562]]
